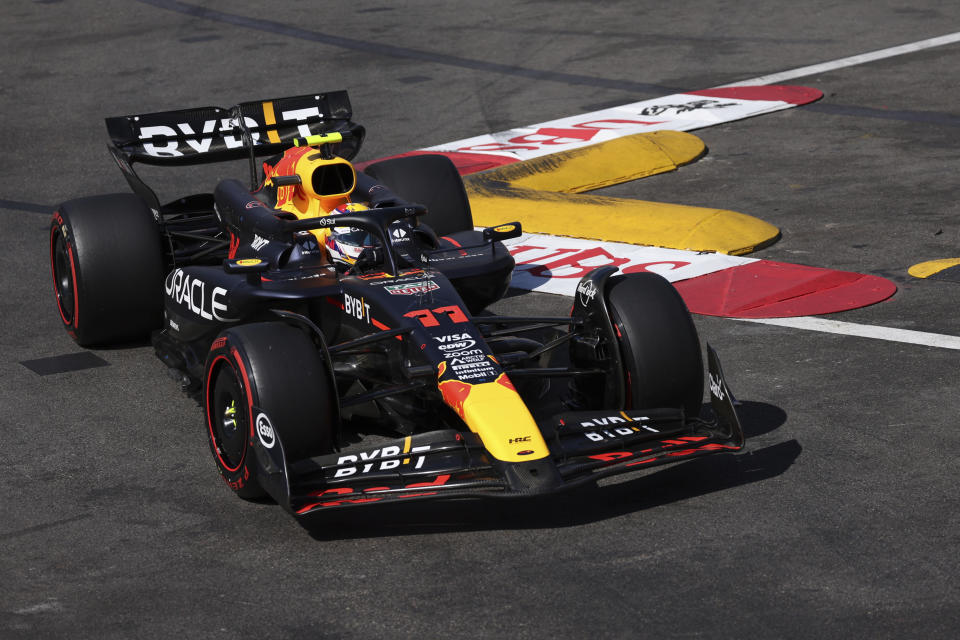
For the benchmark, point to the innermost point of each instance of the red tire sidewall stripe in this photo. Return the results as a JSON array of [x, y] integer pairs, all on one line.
[[54, 230], [246, 385], [624, 361], [76, 292]]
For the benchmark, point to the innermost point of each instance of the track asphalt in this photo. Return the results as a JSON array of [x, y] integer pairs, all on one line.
[[840, 520]]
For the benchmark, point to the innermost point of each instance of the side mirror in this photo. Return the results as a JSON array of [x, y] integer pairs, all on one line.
[[503, 232], [253, 267], [286, 181]]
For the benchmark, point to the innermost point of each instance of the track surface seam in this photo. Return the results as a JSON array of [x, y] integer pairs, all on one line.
[[279, 28]]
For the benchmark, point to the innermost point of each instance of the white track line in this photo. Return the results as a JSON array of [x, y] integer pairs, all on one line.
[[835, 326], [863, 331], [890, 52]]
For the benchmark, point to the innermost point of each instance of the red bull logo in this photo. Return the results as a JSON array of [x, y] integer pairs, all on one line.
[[505, 381], [455, 394], [286, 166]]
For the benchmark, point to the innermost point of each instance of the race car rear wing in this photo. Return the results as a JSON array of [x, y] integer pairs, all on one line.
[[216, 134]]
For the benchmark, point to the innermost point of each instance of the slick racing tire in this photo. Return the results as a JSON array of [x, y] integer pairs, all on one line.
[[433, 181], [106, 258], [266, 381], [658, 343]]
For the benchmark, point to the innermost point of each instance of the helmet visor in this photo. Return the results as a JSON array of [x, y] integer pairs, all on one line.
[[354, 237]]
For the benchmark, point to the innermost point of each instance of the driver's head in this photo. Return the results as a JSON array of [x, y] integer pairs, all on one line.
[[346, 243]]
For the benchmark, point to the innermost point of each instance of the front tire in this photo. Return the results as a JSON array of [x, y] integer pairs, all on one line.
[[107, 264], [261, 381], [659, 346]]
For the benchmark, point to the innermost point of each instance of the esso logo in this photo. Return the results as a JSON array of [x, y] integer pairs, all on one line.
[[265, 431]]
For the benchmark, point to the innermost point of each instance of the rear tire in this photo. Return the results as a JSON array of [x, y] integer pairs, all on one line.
[[658, 343], [106, 259], [433, 181], [266, 373]]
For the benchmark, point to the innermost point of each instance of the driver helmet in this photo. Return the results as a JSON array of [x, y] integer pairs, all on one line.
[[345, 244]]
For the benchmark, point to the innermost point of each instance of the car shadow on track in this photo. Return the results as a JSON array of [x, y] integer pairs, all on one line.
[[684, 481], [757, 418]]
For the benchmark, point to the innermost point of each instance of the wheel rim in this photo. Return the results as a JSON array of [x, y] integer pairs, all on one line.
[[63, 278], [227, 417]]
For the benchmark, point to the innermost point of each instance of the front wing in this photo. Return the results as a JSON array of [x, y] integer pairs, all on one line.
[[584, 446]]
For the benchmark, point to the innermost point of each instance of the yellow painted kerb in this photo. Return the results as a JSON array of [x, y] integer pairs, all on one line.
[[927, 269], [543, 195], [639, 222], [603, 164]]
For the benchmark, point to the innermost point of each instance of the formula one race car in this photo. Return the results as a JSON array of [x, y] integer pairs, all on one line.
[[318, 301]]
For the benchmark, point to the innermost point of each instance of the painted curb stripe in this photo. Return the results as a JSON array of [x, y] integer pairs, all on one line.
[[710, 283], [933, 268], [783, 93], [601, 165], [537, 193], [677, 112], [552, 264], [767, 289], [616, 219], [864, 331]]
